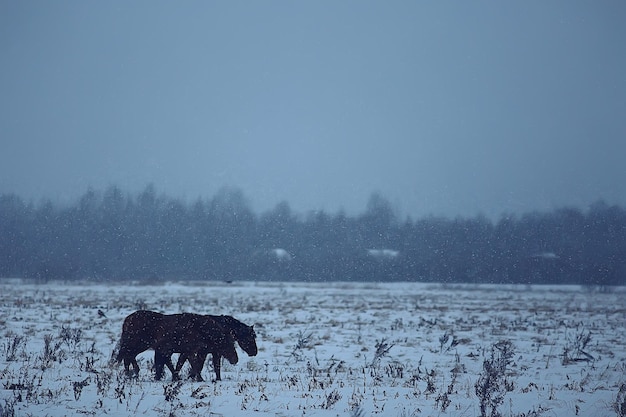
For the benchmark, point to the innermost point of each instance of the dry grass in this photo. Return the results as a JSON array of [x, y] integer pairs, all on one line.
[[344, 349]]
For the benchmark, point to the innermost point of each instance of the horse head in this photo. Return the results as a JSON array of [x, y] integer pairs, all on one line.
[[227, 349], [243, 334], [247, 340]]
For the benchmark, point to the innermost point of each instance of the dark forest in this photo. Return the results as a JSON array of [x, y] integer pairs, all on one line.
[[112, 235]]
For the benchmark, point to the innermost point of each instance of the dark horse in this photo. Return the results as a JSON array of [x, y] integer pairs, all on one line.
[[242, 333], [192, 335]]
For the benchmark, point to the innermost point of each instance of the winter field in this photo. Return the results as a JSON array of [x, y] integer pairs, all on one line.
[[332, 349]]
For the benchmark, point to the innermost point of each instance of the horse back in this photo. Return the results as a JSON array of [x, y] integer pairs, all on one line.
[[138, 332]]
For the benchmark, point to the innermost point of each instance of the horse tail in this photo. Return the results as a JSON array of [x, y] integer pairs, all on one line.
[[116, 355], [123, 346]]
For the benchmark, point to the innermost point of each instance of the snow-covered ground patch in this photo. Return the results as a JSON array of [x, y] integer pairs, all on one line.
[[332, 349]]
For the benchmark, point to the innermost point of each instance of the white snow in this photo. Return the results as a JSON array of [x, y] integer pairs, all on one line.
[[281, 254], [383, 253], [547, 255], [317, 350]]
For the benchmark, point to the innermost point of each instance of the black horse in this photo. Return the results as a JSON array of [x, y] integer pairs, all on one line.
[[242, 333], [192, 335]]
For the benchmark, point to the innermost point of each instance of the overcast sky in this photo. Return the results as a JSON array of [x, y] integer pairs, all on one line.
[[445, 108]]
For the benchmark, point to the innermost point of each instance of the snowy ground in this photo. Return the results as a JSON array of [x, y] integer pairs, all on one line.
[[336, 349]]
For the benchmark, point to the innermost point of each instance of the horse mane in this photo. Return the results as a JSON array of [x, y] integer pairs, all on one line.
[[240, 330], [231, 321]]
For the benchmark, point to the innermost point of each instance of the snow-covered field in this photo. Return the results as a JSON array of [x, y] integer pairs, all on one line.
[[332, 349]]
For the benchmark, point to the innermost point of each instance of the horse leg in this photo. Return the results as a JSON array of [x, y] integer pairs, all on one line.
[[217, 362], [197, 362], [170, 366], [159, 364], [181, 361], [127, 364], [135, 366]]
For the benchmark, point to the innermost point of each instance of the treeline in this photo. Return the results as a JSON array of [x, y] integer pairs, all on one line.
[[112, 235]]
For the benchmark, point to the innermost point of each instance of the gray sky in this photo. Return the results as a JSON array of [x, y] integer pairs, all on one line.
[[445, 108]]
